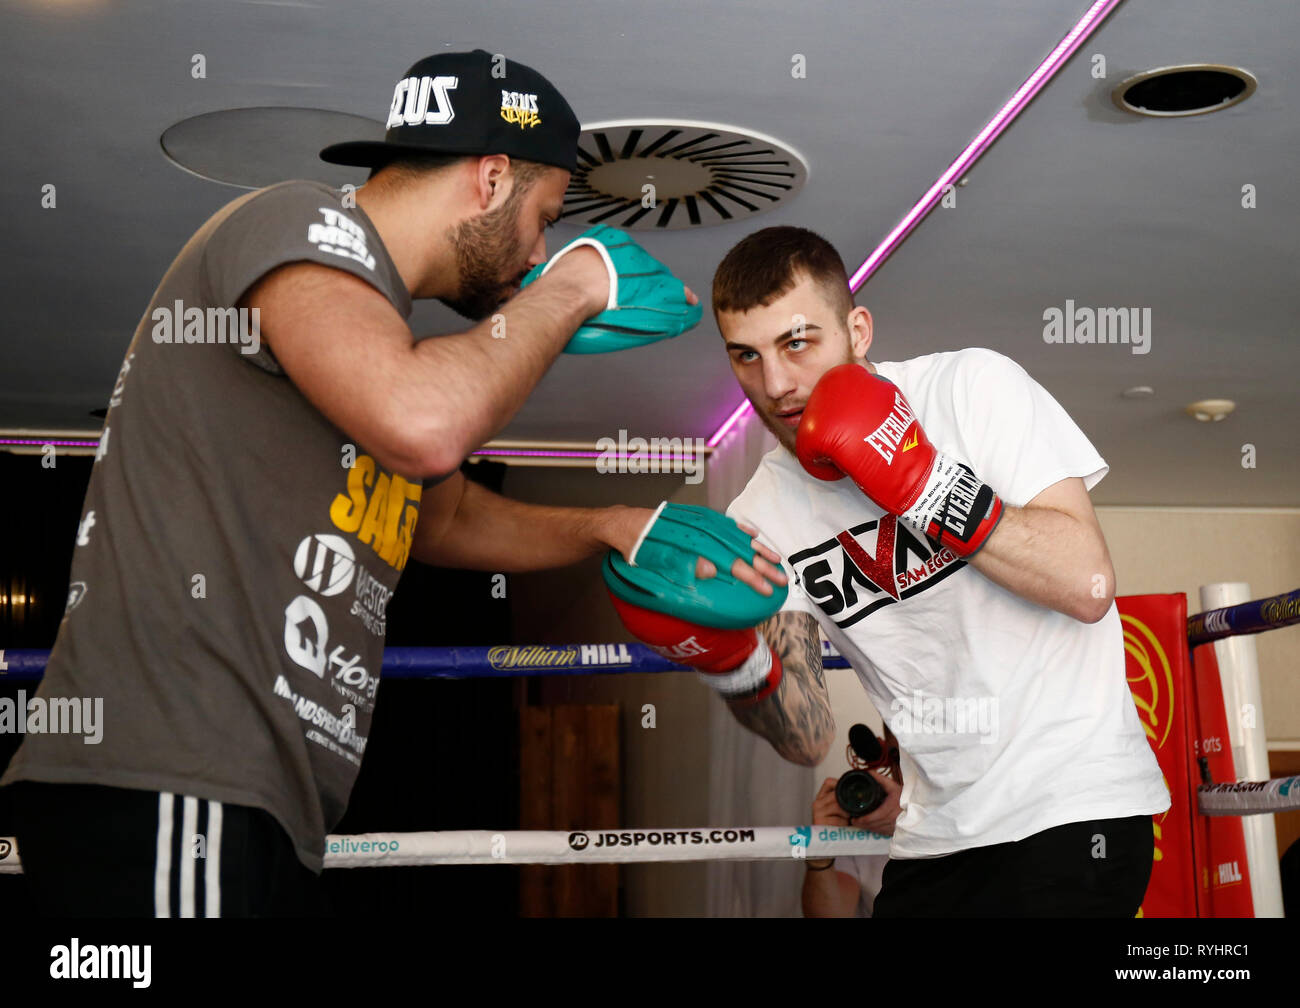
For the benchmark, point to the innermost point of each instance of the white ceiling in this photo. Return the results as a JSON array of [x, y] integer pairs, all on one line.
[[1077, 201]]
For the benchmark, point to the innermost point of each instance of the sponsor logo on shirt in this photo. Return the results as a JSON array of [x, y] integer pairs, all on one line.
[[325, 564], [337, 733], [307, 645], [306, 632], [371, 602], [119, 388], [306, 642], [341, 236], [76, 592], [380, 509], [872, 565]]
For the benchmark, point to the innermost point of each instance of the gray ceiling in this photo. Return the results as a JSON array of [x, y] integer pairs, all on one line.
[[1077, 201]]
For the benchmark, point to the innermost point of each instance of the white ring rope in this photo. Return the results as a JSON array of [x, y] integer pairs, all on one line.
[[1281, 794], [705, 843], [556, 847]]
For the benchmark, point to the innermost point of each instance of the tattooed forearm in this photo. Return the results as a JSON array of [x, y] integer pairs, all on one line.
[[797, 718]]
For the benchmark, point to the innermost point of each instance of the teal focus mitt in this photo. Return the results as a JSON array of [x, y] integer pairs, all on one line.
[[646, 302], [661, 574]]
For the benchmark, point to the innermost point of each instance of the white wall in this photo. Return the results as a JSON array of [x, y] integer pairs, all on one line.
[[1180, 549]]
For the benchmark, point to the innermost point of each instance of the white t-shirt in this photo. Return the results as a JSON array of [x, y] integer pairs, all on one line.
[[1011, 718], [868, 871]]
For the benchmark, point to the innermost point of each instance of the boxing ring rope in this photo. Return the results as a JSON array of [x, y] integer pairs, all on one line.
[[497, 661], [1245, 618], [510, 660], [568, 847], [1242, 798], [515, 660], [597, 846]]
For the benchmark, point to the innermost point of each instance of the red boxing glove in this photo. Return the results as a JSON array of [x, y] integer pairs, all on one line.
[[860, 424], [737, 663]]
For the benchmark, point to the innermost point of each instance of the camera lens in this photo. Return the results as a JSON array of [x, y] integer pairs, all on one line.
[[858, 793]]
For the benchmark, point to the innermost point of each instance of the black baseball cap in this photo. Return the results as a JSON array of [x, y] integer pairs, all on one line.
[[471, 103]]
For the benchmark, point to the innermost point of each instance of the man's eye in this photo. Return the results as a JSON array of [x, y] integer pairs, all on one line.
[[746, 356], [791, 344]]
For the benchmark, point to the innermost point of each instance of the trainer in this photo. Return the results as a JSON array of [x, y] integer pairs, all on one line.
[[255, 499]]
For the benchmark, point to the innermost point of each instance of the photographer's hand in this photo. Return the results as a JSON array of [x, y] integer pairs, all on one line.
[[882, 818], [826, 892], [826, 810]]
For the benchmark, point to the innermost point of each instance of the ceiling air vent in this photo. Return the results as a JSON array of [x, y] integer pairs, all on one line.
[[666, 175]]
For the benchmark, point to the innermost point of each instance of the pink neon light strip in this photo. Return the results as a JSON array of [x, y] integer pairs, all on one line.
[[731, 421], [57, 442], [486, 453], [531, 453], [983, 140]]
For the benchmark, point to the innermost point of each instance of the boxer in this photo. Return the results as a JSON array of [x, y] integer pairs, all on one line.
[[934, 521]]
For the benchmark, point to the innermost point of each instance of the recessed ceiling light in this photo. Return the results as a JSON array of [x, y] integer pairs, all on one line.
[[1192, 89], [1210, 410], [255, 147], [1138, 392]]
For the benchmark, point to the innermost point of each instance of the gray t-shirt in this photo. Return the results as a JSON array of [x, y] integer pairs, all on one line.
[[237, 551]]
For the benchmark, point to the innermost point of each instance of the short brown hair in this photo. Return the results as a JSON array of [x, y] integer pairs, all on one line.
[[768, 264]]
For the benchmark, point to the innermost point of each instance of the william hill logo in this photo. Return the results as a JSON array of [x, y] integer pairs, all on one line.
[[532, 656], [520, 109], [544, 656]]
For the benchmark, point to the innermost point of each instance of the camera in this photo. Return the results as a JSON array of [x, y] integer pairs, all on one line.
[[858, 792]]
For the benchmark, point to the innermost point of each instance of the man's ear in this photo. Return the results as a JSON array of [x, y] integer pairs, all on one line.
[[860, 331], [489, 178]]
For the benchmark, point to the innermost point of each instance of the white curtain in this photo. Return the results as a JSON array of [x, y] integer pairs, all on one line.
[[749, 784]]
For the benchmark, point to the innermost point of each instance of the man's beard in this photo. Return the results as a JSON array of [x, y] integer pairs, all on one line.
[[483, 244], [783, 434]]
